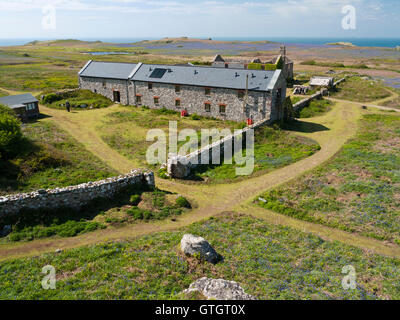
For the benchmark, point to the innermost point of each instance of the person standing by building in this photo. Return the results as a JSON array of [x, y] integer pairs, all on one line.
[[68, 106]]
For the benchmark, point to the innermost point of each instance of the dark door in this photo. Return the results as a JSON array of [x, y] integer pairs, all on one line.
[[117, 96]]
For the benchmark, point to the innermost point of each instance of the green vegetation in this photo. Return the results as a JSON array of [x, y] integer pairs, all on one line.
[[82, 99], [357, 191], [316, 108], [3, 94], [10, 133], [157, 205], [269, 262], [183, 202], [273, 149], [333, 64], [47, 158], [358, 89]]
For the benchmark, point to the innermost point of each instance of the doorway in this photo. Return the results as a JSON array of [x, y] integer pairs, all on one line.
[[117, 96]]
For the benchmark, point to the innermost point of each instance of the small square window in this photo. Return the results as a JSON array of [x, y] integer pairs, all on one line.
[[156, 101], [177, 103], [150, 86], [222, 108], [177, 89], [138, 99], [241, 94], [207, 91], [104, 84], [207, 107]]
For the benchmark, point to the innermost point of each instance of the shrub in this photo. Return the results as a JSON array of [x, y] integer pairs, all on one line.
[[183, 202], [50, 98], [195, 117], [135, 199]]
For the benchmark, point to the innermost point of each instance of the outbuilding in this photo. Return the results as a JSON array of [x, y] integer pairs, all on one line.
[[26, 106]]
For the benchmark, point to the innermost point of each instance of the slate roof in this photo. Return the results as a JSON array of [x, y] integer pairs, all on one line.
[[259, 80], [18, 100], [109, 70]]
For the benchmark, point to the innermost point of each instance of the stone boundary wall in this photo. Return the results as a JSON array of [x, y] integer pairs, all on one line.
[[304, 103], [74, 197], [179, 167]]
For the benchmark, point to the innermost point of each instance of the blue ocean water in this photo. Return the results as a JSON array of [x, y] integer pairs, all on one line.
[[361, 42]]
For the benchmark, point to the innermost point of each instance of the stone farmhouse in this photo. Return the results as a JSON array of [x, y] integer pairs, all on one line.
[[228, 94]]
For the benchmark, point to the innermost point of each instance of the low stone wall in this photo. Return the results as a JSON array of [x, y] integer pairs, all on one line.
[[304, 103], [180, 167], [74, 197]]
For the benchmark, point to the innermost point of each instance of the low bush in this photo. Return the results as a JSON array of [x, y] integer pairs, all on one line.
[[135, 199], [183, 202]]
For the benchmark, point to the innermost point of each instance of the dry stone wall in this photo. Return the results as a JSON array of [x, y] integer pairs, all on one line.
[[74, 197]]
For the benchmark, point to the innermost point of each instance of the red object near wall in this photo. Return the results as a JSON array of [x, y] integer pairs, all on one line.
[[184, 113], [249, 122]]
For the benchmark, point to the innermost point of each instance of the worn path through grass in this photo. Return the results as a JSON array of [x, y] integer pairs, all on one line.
[[331, 131]]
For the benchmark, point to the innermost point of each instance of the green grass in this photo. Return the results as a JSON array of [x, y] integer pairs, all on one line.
[[50, 158], [358, 191], [333, 64], [77, 100], [360, 90], [395, 103], [316, 108], [3, 94], [269, 262], [273, 149]]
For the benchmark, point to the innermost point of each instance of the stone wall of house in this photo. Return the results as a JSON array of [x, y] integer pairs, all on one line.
[[74, 197], [193, 100], [106, 87], [180, 167]]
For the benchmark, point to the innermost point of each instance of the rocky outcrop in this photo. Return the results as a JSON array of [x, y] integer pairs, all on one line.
[[192, 245], [219, 289]]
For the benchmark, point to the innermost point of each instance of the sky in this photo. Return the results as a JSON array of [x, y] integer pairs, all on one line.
[[96, 19]]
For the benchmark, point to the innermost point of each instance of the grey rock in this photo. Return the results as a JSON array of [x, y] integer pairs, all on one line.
[[58, 251], [219, 289], [192, 245]]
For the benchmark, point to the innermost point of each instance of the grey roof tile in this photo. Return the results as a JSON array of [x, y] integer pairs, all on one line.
[[259, 80], [109, 70]]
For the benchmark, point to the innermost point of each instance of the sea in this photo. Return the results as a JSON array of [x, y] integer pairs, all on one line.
[[361, 42]]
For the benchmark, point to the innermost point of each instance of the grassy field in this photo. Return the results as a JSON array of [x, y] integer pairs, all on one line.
[[78, 99], [315, 108], [358, 191], [3, 94], [360, 90], [267, 261], [49, 158], [125, 131], [395, 103], [273, 148]]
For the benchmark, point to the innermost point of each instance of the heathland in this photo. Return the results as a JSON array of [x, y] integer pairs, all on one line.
[[324, 194]]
